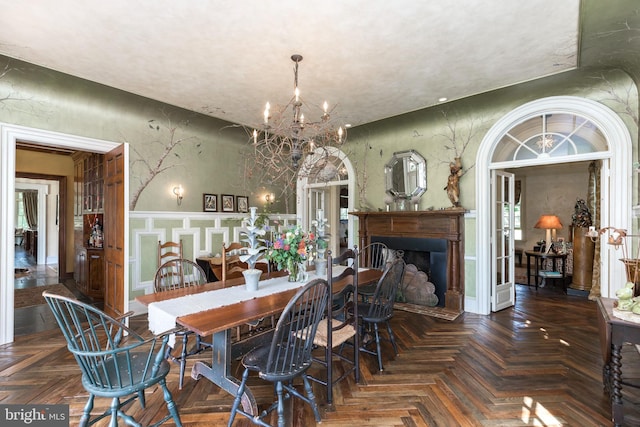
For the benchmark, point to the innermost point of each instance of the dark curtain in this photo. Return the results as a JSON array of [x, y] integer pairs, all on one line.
[[30, 200]]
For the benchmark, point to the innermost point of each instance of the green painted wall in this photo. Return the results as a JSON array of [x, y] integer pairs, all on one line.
[[430, 132], [206, 157]]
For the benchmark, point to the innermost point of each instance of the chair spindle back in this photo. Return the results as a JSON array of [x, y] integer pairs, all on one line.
[[292, 341]]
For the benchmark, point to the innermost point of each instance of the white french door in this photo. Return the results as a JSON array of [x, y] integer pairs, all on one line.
[[316, 201], [502, 238]]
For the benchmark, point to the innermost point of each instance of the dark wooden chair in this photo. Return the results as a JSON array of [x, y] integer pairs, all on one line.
[[378, 309], [374, 255], [231, 266], [168, 251], [343, 315], [178, 274], [288, 356], [115, 361]]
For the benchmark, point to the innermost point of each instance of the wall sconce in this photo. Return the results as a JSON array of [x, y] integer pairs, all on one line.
[[549, 223], [269, 198], [179, 192]]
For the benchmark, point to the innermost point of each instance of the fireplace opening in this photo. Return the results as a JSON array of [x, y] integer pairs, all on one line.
[[428, 255]]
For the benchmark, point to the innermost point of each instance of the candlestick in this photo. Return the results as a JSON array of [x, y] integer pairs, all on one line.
[[266, 113], [319, 214]]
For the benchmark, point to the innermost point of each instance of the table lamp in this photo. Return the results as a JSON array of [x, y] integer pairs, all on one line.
[[549, 223]]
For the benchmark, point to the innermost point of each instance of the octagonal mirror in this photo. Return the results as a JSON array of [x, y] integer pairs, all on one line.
[[406, 174]]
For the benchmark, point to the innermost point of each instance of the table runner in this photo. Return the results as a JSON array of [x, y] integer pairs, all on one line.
[[162, 315]]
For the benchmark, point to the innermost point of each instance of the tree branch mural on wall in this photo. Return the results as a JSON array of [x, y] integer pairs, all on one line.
[[459, 138], [12, 95], [615, 96], [360, 168], [156, 163]]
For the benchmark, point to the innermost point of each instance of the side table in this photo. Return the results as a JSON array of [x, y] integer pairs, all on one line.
[[539, 272], [614, 333]]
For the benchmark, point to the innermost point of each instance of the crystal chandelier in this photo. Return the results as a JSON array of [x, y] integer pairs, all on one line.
[[287, 135]]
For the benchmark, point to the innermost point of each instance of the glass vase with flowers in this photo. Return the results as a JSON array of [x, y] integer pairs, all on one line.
[[288, 251]]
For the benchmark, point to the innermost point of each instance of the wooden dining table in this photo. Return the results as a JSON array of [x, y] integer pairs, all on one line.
[[219, 323]]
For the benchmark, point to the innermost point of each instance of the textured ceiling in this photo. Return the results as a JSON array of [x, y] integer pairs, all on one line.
[[371, 59]]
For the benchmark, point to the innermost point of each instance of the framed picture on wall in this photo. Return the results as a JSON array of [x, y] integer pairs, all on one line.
[[228, 203], [242, 202], [210, 202]]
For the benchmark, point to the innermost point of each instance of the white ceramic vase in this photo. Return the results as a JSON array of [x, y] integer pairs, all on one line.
[[251, 279], [321, 267]]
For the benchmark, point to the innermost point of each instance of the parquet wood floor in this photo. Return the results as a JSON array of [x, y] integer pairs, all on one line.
[[535, 364]]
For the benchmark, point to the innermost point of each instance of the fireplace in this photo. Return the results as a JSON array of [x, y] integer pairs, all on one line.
[[438, 233], [428, 255]]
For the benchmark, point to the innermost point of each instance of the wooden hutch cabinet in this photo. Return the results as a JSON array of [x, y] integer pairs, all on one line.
[[88, 222]]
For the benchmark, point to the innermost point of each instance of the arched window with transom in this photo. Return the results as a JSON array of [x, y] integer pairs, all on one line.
[[550, 135]]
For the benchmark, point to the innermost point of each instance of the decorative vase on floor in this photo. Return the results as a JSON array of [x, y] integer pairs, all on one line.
[[251, 279], [583, 253], [321, 267]]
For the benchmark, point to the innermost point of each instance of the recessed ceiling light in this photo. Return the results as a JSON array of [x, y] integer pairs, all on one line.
[[347, 125], [442, 99]]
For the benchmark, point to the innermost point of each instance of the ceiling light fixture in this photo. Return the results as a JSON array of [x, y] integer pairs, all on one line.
[[288, 133], [545, 143]]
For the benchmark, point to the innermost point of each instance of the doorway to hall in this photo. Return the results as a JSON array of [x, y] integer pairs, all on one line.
[[11, 137], [37, 220], [40, 261], [537, 134]]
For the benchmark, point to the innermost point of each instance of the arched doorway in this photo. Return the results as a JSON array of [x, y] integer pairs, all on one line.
[[322, 177], [496, 154]]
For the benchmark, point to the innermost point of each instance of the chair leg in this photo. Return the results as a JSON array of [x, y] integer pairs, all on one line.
[[183, 360], [116, 412], [280, 411], [115, 406], [312, 398], [142, 399], [171, 405], [329, 360], [356, 356], [392, 338], [236, 401], [378, 347], [86, 415]]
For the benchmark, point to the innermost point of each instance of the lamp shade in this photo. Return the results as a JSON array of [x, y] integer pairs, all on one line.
[[548, 222]]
